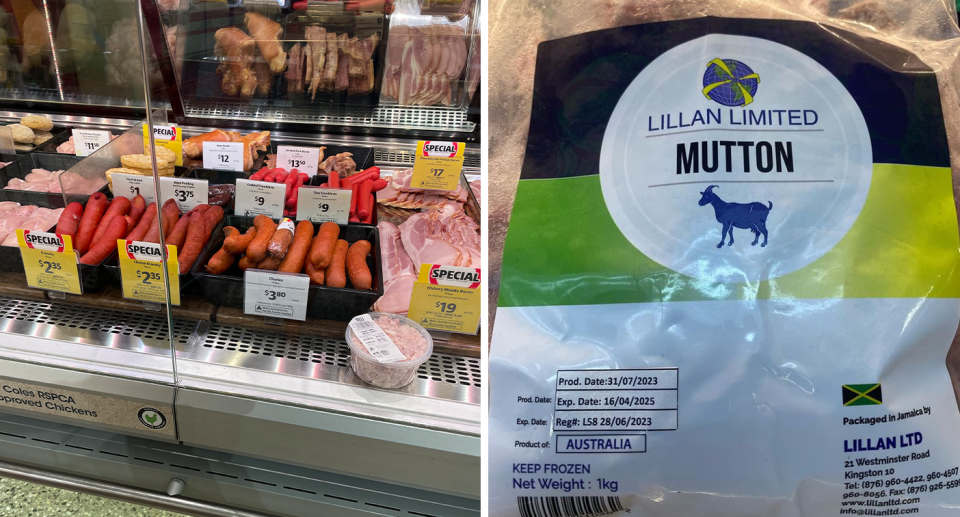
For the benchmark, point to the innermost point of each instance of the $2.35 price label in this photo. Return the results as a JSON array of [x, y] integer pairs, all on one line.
[[447, 298], [49, 261], [437, 165], [304, 159], [141, 271], [188, 193], [259, 197]]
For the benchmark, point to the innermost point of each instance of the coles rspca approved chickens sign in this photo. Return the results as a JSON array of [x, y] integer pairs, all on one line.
[[447, 298], [437, 165]]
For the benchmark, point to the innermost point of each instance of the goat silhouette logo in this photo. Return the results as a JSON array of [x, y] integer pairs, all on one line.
[[730, 82], [748, 216]]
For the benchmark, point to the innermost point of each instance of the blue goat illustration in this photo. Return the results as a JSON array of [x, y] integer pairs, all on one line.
[[749, 216]]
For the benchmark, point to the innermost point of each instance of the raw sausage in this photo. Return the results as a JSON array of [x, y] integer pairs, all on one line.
[[213, 217], [193, 244], [322, 249], [245, 263], [96, 206], [108, 244], [179, 233], [316, 275], [357, 268], [119, 206], [281, 240], [140, 231], [335, 275], [236, 243], [297, 254], [70, 220], [138, 205], [171, 214], [258, 246], [220, 262]]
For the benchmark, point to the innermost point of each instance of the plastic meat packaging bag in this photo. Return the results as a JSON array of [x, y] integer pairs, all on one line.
[[729, 286]]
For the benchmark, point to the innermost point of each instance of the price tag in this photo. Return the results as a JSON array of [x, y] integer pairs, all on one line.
[[187, 192], [170, 137], [223, 156], [447, 298], [49, 261], [324, 204], [375, 340], [437, 165], [276, 295], [86, 141], [131, 185], [259, 197], [304, 159], [141, 271]]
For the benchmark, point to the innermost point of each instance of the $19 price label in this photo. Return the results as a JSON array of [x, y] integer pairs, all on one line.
[[447, 298], [259, 198], [141, 272]]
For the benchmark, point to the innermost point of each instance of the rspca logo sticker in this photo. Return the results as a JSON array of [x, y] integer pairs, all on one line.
[[711, 179], [152, 418]]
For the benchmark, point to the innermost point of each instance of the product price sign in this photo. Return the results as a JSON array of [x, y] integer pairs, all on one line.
[[275, 295], [223, 156], [49, 261], [437, 165], [259, 198], [304, 159], [141, 271], [170, 137], [131, 186], [447, 298], [324, 204], [188, 193], [86, 141]]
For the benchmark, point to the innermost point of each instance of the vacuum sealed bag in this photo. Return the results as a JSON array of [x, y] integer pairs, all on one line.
[[729, 286]]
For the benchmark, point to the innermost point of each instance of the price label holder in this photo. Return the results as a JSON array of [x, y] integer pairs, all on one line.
[[187, 192], [320, 205], [223, 156], [50, 262], [170, 137], [275, 295], [437, 165], [131, 185], [259, 197], [447, 298], [141, 272], [87, 141], [304, 159]]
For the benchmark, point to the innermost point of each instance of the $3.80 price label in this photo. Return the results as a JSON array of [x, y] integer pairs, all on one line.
[[452, 308], [437, 165], [49, 261], [276, 295], [141, 272]]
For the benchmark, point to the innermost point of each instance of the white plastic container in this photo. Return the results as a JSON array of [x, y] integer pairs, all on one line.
[[387, 375]]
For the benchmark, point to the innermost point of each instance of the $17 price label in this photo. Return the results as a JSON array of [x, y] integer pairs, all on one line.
[[49, 261], [141, 272]]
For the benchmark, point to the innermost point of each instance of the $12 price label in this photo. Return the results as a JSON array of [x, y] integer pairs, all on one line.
[[447, 298], [304, 159], [188, 193], [141, 271], [49, 261], [259, 197], [276, 295], [320, 205], [224, 156]]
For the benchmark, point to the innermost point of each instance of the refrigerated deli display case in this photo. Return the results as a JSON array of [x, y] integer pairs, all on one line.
[[199, 402]]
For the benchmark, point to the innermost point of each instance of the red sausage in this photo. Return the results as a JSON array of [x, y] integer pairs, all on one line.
[[120, 206], [149, 215], [179, 233], [70, 220], [96, 206], [334, 179], [363, 204], [378, 185], [353, 199], [105, 246]]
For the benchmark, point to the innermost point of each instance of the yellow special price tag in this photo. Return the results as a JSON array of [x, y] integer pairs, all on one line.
[[447, 298], [170, 137], [437, 165], [141, 272], [49, 261]]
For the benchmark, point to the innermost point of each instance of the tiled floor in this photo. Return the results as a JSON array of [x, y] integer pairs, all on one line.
[[22, 499]]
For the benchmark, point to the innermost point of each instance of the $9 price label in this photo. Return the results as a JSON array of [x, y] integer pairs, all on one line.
[[259, 197], [188, 193], [321, 205], [304, 159], [274, 294]]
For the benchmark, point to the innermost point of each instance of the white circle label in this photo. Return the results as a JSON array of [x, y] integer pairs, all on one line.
[[740, 139]]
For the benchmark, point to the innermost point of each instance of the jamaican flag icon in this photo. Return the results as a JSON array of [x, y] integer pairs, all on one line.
[[862, 395]]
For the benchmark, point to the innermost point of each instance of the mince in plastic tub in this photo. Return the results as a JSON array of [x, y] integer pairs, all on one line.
[[413, 341]]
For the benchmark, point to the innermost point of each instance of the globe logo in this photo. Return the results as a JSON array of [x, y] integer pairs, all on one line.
[[730, 82]]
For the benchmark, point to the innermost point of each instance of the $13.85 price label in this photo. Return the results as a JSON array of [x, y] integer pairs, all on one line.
[[324, 204], [188, 193], [304, 159], [276, 295], [141, 271], [447, 298], [49, 261], [259, 197]]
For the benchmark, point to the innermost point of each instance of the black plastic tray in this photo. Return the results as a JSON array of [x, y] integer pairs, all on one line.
[[324, 302], [10, 260], [23, 166], [57, 132], [91, 276]]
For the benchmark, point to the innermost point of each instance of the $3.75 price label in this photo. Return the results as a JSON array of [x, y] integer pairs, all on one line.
[[49, 261], [141, 272], [447, 298], [188, 193]]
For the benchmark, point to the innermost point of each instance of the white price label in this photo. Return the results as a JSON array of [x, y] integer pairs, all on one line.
[[86, 141], [259, 197], [187, 192], [375, 340], [131, 186], [324, 204], [304, 159], [275, 294], [223, 156]]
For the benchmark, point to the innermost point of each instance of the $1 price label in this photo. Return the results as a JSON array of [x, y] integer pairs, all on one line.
[[276, 295], [131, 186], [49, 261], [304, 159], [447, 298], [87, 141], [437, 165], [320, 205], [141, 271], [223, 156], [259, 197], [188, 193]]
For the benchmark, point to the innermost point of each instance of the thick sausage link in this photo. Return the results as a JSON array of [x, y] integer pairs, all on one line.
[[335, 276], [357, 268]]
